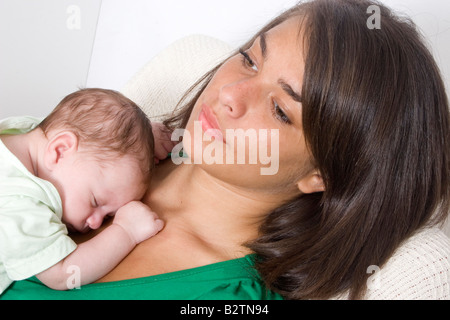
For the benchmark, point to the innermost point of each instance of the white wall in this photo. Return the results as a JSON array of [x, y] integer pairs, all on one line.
[[131, 32], [45, 49]]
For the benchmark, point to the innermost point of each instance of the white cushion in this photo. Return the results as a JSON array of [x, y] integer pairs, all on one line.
[[159, 85]]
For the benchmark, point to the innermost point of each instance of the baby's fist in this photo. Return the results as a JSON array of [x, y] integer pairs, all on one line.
[[138, 220]]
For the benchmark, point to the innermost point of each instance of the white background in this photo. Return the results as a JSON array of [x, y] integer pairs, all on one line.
[[130, 32], [41, 58]]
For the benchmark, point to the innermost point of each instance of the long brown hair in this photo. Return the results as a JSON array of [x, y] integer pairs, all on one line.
[[376, 119]]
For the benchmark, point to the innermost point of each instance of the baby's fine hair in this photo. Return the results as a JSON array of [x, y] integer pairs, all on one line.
[[106, 122]]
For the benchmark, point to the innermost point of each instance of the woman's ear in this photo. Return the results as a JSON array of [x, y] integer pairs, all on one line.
[[59, 147], [311, 183]]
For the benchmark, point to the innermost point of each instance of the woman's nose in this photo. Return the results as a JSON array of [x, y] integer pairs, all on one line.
[[238, 96]]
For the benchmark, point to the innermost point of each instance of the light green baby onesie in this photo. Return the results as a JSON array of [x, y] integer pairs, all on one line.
[[32, 236]]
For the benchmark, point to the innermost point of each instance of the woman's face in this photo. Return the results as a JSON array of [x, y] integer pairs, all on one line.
[[255, 98]]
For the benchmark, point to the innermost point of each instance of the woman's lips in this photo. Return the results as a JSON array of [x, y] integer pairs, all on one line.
[[209, 121]]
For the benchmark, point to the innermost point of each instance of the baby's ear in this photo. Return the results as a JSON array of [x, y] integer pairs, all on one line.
[[59, 147]]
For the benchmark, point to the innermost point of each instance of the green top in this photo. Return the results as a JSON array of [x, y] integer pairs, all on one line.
[[227, 280]]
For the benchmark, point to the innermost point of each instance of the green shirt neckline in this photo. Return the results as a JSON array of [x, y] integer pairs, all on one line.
[[227, 280], [246, 262]]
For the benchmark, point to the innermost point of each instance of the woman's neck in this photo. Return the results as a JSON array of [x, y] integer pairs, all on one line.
[[220, 215]]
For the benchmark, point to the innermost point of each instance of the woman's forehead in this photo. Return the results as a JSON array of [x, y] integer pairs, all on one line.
[[290, 28]]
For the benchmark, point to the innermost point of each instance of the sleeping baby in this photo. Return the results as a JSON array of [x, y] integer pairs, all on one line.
[[91, 158]]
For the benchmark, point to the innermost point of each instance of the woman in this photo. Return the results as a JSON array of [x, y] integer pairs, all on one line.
[[363, 126]]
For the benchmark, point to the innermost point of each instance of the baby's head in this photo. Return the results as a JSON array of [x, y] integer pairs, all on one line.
[[111, 159]]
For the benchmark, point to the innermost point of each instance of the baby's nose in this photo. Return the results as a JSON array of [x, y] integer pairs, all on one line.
[[95, 220]]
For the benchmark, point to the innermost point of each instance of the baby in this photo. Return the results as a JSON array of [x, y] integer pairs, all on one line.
[[92, 157]]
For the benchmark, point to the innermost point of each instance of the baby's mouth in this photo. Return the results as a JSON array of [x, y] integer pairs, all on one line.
[[72, 229]]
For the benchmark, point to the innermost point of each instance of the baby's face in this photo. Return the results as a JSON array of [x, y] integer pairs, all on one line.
[[92, 190]]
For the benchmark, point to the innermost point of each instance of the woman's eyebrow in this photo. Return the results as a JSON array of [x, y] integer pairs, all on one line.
[[286, 87], [263, 45]]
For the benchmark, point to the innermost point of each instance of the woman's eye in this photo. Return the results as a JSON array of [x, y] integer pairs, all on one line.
[[247, 61], [279, 113], [276, 109]]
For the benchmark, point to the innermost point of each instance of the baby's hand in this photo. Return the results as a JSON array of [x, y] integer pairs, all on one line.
[[163, 142], [138, 220]]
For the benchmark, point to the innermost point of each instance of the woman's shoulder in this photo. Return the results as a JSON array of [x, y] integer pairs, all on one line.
[[419, 269], [227, 280]]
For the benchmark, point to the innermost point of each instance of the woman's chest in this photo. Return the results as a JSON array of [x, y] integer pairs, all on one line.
[[161, 254]]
